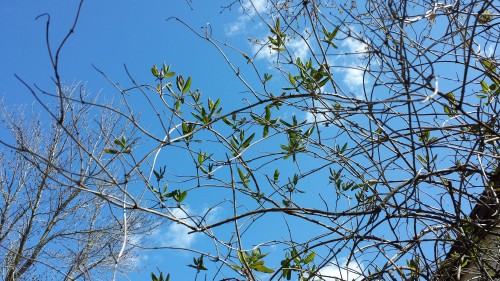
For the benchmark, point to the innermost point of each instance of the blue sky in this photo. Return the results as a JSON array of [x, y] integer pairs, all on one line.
[[108, 35], [111, 34]]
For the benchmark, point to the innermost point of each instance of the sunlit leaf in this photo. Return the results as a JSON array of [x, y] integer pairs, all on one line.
[[187, 85]]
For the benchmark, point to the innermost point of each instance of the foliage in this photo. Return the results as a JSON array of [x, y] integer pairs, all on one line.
[[375, 156]]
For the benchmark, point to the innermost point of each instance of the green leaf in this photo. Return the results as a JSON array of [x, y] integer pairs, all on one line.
[[323, 82], [119, 143], [187, 85], [177, 104], [291, 79], [485, 17], [421, 159], [182, 196], [447, 110], [334, 33], [241, 257], [242, 135], [262, 268], [286, 203], [198, 264], [238, 268], [451, 99], [485, 87], [154, 71], [343, 148], [257, 119], [217, 103], [243, 177], [267, 77], [227, 121], [268, 113], [276, 175], [246, 57], [111, 151], [285, 123], [247, 141], [197, 117], [310, 131], [424, 136], [180, 82], [310, 257]]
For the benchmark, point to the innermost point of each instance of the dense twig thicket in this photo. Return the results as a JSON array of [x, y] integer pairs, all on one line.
[[52, 226], [373, 155]]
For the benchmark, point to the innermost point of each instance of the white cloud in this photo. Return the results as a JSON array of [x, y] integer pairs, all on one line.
[[354, 46], [353, 77], [263, 52], [310, 117], [353, 67], [248, 10], [490, 50], [136, 261], [235, 27], [255, 6], [298, 48], [350, 272], [212, 216], [175, 234]]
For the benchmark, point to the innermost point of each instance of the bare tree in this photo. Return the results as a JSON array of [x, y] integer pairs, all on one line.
[[49, 226], [372, 155]]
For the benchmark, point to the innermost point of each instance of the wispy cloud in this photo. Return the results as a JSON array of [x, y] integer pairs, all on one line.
[[298, 47], [352, 271], [316, 117], [263, 51], [248, 10], [490, 50], [354, 68], [137, 260], [248, 23], [177, 235]]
